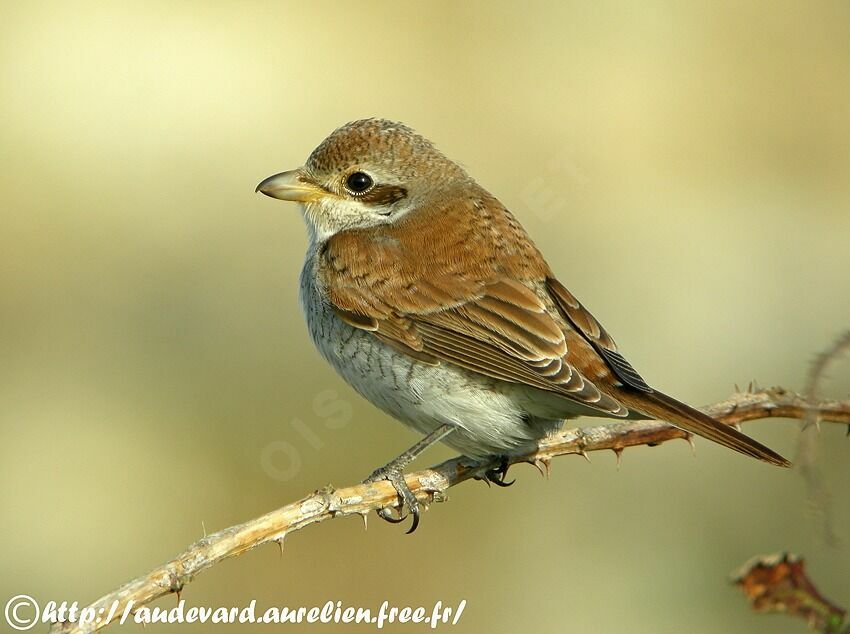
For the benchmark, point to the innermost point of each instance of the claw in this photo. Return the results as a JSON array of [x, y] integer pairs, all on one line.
[[498, 480], [497, 475], [405, 496], [415, 513]]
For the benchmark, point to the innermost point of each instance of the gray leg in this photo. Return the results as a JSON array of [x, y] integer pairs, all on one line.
[[393, 472]]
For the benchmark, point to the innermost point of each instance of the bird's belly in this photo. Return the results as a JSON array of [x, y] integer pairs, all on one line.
[[491, 416]]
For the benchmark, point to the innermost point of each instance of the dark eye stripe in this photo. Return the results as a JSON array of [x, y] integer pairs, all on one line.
[[384, 195]]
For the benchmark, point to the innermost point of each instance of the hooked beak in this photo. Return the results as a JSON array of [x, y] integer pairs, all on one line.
[[292, 185]]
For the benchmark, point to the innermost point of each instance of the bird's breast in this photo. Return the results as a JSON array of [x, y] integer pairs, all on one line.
[[492, 416]]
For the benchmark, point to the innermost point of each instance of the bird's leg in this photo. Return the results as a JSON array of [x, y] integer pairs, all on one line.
[[393, 472], [496, 475]]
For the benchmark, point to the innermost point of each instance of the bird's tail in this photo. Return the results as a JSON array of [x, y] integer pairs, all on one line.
[[666, 408]]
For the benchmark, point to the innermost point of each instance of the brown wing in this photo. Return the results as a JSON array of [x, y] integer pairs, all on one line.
[[475, 297]]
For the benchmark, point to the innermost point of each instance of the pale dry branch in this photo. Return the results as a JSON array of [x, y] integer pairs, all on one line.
[[429, 485]]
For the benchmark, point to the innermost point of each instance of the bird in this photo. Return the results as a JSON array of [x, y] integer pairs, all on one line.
[[429, 298]]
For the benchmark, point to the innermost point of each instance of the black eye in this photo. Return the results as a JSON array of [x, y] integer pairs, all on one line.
[[359, 183]]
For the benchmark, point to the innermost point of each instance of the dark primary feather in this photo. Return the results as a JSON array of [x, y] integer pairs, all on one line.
[[596, 335]]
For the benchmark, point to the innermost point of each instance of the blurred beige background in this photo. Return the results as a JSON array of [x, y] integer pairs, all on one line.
[[684, 166]]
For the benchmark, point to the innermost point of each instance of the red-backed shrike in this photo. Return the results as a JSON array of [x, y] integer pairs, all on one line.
[[430, 299]]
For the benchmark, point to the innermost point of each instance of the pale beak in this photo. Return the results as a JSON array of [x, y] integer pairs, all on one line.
[[292, 185]]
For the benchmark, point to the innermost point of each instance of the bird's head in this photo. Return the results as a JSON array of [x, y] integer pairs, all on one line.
[[366, 173]]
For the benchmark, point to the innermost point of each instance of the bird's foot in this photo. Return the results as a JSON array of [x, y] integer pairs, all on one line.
[[497, 475], [394, 475]]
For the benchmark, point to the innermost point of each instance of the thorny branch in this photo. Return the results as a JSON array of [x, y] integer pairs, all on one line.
[[430, 485]]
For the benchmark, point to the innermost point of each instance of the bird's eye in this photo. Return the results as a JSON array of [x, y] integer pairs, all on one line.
[[359, 183]]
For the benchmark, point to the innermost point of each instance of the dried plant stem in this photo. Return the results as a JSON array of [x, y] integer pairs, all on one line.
[[818, 490], [429, 485]]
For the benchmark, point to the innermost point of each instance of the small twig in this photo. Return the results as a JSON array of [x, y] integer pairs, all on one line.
[[818, 492], [817, 370], [430, 485]]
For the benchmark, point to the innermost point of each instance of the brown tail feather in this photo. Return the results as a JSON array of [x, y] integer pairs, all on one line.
[[668, 409]]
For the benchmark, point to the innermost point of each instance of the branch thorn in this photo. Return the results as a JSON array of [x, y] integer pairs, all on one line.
[[618, 451], [544, 465]]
